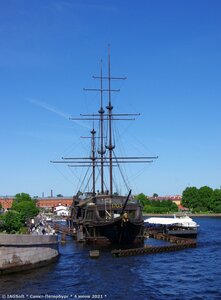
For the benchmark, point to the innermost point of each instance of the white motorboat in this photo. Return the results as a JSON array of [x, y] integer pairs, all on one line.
[[182, 226]]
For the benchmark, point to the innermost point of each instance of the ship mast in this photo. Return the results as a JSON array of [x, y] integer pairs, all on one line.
[[104, 161], [110, 115], [93, 158], [101, 151], [110, 147]]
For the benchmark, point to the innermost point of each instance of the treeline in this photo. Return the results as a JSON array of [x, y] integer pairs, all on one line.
[[15, 220], [156, 206], [204, 199]]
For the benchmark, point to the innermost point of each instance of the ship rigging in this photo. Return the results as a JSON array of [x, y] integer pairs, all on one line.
[[105, 217]]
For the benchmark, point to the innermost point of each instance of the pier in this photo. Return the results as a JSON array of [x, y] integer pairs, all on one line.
[[64, 230], [177, 243]]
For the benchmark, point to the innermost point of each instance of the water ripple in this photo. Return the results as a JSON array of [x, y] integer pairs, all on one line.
[[191, 274]]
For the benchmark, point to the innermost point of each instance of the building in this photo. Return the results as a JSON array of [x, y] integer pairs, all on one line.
[[175, 199], [41, 202], [52, 202], [61, 210], [6, 202]]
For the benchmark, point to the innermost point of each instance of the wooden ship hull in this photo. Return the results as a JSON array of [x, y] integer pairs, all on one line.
[[105, 224]]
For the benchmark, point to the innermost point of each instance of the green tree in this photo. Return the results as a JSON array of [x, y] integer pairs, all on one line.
[[202, 199], [11, 221], [143, 200], [0, 206], [23, 208], [155, 203], [190, 197], [26, 206], [172, 206], [164, 206], [27, 209], [22, 197], [205, 194], [215, 201], [148, 209]]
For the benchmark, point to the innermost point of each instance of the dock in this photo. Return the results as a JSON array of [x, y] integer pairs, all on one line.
[[64, 229], [177, 243]]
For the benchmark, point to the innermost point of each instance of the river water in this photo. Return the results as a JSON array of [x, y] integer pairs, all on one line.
[[186, 274]]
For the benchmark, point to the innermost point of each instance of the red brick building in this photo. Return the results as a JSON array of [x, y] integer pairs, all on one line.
[[41, 202], [51, 202], [6, 202]]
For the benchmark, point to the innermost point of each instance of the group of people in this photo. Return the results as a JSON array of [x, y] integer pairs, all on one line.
[[39, 226]]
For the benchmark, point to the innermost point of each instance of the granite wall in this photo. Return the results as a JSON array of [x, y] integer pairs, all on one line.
[[22, 251]]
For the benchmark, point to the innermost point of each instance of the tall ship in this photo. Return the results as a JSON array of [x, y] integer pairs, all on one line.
[[100, 215]]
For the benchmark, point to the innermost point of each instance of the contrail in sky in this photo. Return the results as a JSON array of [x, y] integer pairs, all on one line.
[[49, 108], [55, 110]]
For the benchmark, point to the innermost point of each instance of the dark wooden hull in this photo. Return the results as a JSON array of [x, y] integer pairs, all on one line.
[[101, 221], [119, 232]]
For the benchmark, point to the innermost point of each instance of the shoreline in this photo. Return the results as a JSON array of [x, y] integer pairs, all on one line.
[[189, 214]]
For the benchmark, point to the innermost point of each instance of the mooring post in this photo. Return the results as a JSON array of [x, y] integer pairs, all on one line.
[[63, 238]]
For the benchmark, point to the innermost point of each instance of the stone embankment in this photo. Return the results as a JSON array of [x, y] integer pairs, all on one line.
[[20, 252]]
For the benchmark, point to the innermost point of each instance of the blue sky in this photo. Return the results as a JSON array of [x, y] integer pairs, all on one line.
[[170, 51]]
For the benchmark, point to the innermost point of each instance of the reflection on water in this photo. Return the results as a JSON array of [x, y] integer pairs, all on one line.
[[187, 274]]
